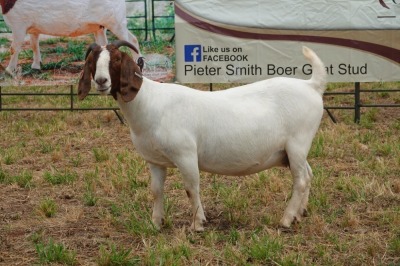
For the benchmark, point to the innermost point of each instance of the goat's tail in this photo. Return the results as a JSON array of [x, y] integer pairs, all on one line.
[[318, 77]]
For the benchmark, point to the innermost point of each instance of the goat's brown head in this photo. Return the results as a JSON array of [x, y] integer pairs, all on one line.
[[113, 71]]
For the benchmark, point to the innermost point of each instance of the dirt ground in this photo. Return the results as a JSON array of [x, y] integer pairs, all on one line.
[[354, 215]]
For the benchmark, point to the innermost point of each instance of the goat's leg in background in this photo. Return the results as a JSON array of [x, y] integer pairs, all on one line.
[[188, 166], [37, 58], [123, 33], [158, 175], [16, 44], [297, 155], [100, 36]]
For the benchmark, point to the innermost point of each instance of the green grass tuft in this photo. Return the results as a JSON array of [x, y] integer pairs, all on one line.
[[114, 256], [56, 177], [48, 207], [55, 253], [264, 250], [101, 154]]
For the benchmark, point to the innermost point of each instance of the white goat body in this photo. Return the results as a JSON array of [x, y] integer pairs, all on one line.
[[64, 18], [238, 131]]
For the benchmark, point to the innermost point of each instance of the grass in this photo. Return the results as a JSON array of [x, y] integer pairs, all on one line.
[[263, 250], [23, 179], [48, 207], [55, 253], [56, 177], [116, 256], [89, 197], [353, 218], [76, 178]]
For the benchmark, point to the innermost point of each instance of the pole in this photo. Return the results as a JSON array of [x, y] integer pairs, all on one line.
[[357, 103]]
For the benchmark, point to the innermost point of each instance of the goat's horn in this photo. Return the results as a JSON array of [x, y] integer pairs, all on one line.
[[90, 48], [119, 43]]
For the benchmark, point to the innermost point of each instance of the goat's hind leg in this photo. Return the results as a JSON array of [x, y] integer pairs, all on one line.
[[158, 175], [304, 202], [123, 33], [100, 36], [301, 186], [37, 58]]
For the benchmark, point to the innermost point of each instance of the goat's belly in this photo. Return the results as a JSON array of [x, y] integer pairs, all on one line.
[[64, 30], [237, 167]]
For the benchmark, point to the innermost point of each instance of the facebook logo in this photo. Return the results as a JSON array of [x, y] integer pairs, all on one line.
[[193, 53]]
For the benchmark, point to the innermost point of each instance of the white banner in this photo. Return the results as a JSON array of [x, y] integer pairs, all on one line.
[[246, 41]]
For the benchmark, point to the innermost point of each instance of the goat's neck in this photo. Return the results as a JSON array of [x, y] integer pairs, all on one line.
[[140, 113]]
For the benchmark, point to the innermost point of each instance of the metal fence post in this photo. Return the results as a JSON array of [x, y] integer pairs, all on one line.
[[154, 17], [357, 103], [72, 97]]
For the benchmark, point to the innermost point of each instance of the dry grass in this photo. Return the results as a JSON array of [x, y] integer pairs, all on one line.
[[72, 182], [354, 213]]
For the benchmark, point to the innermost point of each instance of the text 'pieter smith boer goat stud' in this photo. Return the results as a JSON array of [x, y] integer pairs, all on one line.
[[238, 131]]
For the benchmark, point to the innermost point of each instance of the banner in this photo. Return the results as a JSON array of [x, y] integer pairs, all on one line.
[[246, 41]]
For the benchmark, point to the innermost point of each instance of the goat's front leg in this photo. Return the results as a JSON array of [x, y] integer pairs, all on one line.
[[158, 175], [189, 169], [15, 49]]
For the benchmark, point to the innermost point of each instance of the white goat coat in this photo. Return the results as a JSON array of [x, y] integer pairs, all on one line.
[[64, 18], [237, 131]]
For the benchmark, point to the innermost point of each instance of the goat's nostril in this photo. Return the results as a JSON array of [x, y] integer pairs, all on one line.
[[101, 81]]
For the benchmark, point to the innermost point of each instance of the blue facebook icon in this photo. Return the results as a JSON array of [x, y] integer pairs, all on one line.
[[193, 53]]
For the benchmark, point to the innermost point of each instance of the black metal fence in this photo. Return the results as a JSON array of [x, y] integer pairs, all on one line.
[[139, 21], [71, 94], [357, 101], [71, 103]]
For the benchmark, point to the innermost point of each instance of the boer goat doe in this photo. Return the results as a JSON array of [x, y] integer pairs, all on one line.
[[62, 18], [239, 131]]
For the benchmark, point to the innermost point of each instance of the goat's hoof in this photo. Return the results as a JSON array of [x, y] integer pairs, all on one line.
[[303, 213], [36, 70], [285, 229], [158, 223], [32, 72], [285, 222], [298, 218], [9, 74], [198, 226]]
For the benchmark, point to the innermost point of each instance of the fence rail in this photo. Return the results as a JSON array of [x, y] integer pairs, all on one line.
[[356, 106], [71, 107]]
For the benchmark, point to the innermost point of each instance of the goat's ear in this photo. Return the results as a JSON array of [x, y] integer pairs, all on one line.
[[131, 78], [85, 79]]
